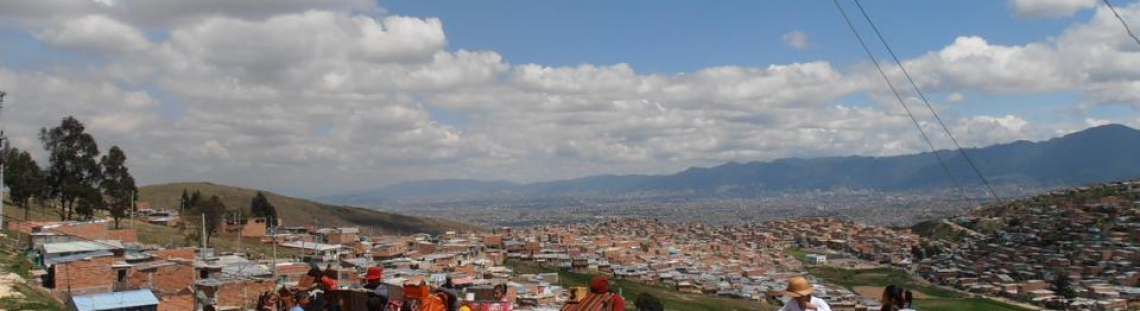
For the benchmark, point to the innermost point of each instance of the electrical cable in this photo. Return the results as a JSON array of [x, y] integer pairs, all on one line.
[[902, 102], [930, 107], [1122, 22]]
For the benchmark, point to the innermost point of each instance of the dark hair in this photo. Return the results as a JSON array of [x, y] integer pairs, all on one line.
[[896, 295]]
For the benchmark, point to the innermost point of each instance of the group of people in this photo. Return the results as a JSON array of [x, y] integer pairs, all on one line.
[[800, 290], [315, 292]]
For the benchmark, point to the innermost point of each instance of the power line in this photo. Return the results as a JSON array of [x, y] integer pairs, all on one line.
[[930, 107], [902, 102], [1122, 22]]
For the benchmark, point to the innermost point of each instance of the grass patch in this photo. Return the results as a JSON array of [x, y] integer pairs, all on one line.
[[12, 260], [941, 299], [672, 299], [967, 304], [880, 277]]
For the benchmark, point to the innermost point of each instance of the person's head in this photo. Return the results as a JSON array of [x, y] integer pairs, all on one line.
[[893, 296], [314, 271], [500, 291], [374, 275], [269, 299], [302, 298], [800, 289]]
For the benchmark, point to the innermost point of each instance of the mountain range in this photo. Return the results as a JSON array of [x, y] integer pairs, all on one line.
[[1103, 153]]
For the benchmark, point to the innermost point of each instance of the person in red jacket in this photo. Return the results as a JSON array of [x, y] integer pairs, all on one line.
[[601, 285]]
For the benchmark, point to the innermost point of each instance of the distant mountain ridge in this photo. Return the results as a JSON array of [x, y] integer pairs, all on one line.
[[1103, 153]]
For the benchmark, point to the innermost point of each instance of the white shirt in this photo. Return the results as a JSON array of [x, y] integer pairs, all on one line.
[[793, 306]]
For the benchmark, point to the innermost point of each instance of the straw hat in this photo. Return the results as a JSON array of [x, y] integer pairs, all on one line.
[[798, 287]]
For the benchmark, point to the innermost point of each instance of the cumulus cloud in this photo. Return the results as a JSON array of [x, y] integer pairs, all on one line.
[[97, 33], [1049, 8], [796, 39], [312, 97]]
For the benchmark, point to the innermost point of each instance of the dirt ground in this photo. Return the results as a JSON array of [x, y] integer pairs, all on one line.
[[876, 292]]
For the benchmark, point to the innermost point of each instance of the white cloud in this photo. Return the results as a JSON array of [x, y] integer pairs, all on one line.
[[97, 33], [302, 99], [1049, 8], [796, 39], [955, 97]]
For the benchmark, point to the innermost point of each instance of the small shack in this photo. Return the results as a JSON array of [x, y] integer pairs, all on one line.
[[136, 300]]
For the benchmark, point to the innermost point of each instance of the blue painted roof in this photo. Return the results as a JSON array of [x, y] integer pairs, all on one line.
[[116, 300]]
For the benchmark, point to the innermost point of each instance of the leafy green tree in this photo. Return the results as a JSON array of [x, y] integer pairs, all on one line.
[[260, 207], [73, 171], [647, 302], [117, 184], [23, 177], [90, 200], [214, 210]]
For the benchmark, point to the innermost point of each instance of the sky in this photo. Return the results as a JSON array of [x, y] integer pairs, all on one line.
[[314, 98]]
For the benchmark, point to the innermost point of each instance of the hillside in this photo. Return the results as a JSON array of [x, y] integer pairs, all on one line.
[[1103, 153], [294, 211]]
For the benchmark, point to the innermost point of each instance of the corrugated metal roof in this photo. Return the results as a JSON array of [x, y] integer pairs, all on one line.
[[76, 257], [80, 247], [116, 300]]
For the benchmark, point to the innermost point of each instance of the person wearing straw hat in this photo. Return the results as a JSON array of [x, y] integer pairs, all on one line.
[[800, 290]]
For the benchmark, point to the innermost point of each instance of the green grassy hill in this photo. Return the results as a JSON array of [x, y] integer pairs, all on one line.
[[298, 212], [674, 300]]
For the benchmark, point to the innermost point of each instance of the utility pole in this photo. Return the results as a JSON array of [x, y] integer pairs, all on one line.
[[134, 201], [241, 227], [2, 171]]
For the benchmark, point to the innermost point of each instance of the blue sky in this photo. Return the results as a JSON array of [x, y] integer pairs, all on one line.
[[674, 36], [682, 36], [309, 97]]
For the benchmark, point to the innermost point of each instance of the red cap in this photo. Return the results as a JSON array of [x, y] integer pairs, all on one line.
[[374, 273], [600, 284]]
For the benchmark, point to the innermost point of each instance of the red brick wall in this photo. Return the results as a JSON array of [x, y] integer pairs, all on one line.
[[165, 279], [125, 235], [183, 302], [243, 294], [86, 276], [26, 227], [91, 231], [183, 253]]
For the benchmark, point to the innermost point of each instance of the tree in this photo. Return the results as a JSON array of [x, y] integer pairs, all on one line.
[[1063, 286], [260, 207], [73, 171], [213, 209], [90, 200], [117, 184], [23, 177], [184, 203], [647, 302]]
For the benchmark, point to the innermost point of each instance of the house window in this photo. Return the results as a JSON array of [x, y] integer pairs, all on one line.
[[122, 275]]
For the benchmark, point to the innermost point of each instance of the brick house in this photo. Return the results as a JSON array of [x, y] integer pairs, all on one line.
[[88, 273]]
